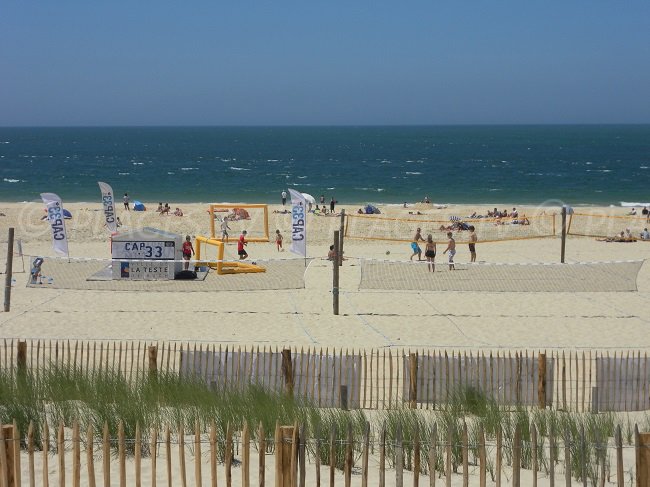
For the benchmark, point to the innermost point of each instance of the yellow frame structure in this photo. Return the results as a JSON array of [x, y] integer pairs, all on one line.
[[265, 238], [219, 265]]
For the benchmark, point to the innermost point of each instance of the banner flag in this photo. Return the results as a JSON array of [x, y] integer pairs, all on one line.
[[108, 200], [57, 222], [298, 223]]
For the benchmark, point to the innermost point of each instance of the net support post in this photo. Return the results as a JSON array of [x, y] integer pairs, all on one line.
[[541, 380], [562, 251], [341, 236], [10, 266], [335, 277]]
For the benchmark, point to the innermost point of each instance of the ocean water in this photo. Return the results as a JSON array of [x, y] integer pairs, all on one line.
[[578, 165]]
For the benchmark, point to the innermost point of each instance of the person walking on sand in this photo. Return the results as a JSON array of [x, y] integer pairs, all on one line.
[[284, 198], [472, 243], [451, 248], [188, 251], [126, 202], [430, 253], [414, 244], [240, 246], [224, 230], [332, 203], [278, 241]]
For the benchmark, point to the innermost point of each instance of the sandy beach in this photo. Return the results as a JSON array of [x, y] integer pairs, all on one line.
[[303, 317]]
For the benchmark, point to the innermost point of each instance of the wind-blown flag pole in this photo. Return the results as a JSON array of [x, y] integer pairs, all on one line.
[[108, 200], [298, 224], [57, 223]]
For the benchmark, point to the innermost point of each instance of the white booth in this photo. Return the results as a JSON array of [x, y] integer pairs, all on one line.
[[148, 254]]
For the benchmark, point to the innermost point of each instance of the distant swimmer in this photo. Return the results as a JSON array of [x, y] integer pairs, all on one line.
[[451, 248]]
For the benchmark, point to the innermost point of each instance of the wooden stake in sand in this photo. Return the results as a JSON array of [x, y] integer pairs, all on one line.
[[335, 284], [9, 274]]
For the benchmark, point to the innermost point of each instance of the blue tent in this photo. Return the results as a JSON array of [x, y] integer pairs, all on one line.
[[370, 210], [66, 214], [138, 206]]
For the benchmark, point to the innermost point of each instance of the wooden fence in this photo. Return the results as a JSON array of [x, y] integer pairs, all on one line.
[[70, 456], [368, 379]]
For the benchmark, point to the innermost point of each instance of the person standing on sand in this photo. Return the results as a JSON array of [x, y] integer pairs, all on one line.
[[451, 248], [224, 230], [188, 251], [126, 202], [240, 246], [278, 241], [430, 253], [284, 198], [332, 203], [414, 244], [472, 243], [322, 199]]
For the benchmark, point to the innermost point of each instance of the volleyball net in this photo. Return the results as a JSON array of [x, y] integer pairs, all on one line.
[[574, 277], [588, 225], [117, 275], [370, 227]]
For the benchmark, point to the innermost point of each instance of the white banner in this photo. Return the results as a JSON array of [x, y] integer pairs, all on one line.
[[298, 223], [57, 223], [108, 200]]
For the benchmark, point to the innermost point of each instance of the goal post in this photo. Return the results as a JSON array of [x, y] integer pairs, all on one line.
[[254, 218]]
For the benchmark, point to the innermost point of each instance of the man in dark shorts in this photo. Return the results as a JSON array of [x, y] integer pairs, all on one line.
[[126, 201], [240, 246], [332, 203], [472, 243]]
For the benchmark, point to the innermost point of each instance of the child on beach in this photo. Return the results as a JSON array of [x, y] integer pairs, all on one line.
[[224, 230], [278, 241], [188, 251], [451, 248], [241, 243]]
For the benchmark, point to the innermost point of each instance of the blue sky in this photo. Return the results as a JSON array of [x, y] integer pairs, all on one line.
[[323, 63]]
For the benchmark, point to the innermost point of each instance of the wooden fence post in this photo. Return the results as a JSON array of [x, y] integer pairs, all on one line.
[[567, 457], [283, 459], [399, 459], [541, 380], [413, 380], [7, 473], [516, 458], [152, 353], [341, 237], [21, 356], [287, 371], [642, 447], [618, 440]]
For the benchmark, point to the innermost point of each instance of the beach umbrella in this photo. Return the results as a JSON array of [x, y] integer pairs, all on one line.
[[309, 198], [454, 218]]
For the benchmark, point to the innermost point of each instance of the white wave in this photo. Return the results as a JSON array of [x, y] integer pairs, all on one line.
[[5, 142], [239, 168], [495, 189], [6, 180], [302, 177], [169, 172], [379, 190], [643, 167], [272, 160], [189, 168], [330, 188], [414, 172], [138, 163], [632, 205], [123, 173]]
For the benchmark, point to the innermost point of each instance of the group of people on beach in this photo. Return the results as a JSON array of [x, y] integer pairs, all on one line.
[[430, 248]]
